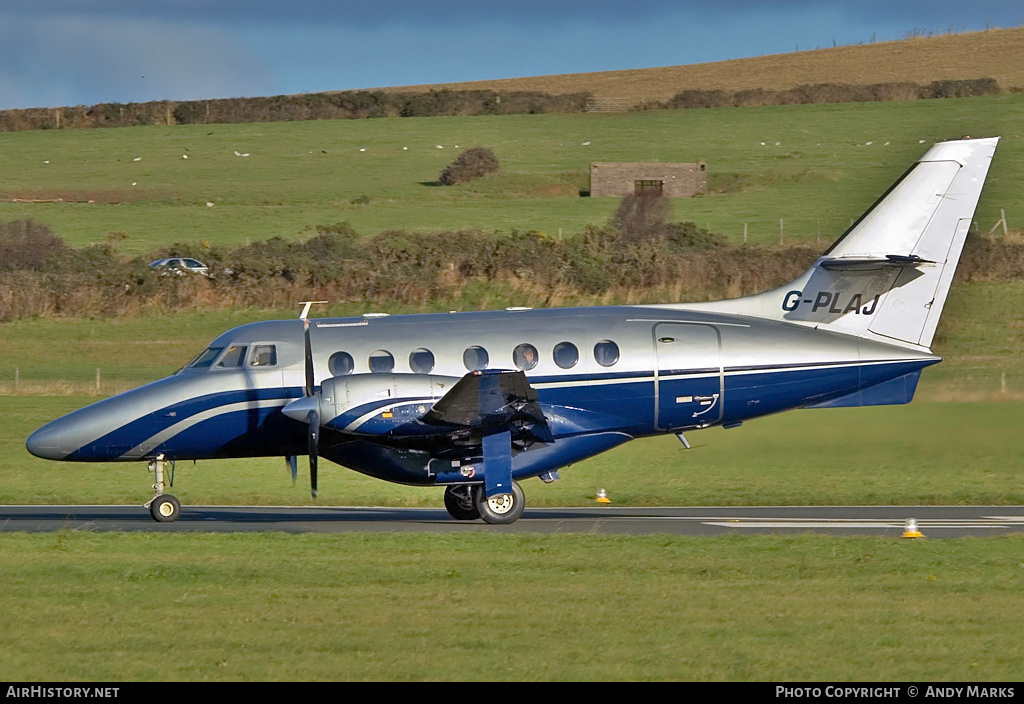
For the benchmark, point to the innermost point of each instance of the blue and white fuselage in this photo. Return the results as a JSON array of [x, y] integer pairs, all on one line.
[[478, 399]]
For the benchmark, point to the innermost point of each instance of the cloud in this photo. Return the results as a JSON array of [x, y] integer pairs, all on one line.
[[360, 14], [62, 52], [75, 59]]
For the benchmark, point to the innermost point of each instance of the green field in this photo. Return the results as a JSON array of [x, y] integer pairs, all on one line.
[[831, 162], [471, 607]]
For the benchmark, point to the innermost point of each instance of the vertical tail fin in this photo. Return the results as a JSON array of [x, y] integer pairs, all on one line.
[[887, 278]]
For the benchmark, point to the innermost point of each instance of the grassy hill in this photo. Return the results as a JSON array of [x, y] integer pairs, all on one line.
[[812, 166], [997, 53]]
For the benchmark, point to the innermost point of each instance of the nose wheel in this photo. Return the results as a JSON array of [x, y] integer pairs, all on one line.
[[164, 508]]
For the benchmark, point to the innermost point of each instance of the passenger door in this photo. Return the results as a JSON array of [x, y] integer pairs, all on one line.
[[688, 380]]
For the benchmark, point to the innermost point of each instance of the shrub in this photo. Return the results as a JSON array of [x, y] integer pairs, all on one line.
[[642, 216], [27, 245], [470, 164]]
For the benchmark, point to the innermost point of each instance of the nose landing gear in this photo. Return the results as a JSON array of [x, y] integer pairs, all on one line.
[[162, 507]]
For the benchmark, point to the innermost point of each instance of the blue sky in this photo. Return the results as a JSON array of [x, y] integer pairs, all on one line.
[[74, 52]]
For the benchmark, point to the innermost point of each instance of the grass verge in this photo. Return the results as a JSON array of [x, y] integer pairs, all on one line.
[[266, 607]]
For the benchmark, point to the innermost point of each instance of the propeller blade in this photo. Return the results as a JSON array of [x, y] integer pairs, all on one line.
[[314, 448], [310, 382], [292, 463], [314, 415]]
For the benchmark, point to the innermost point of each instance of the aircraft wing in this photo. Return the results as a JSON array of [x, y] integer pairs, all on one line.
[[491, 399]]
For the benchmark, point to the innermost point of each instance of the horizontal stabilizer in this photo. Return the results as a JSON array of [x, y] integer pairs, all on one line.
[[872, 263]]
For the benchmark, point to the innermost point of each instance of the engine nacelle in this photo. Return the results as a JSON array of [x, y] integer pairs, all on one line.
[[379, 403]]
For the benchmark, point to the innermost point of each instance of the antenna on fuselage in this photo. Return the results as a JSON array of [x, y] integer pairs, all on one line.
[[306, 305]]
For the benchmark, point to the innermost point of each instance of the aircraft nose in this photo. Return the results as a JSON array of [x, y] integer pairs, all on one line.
[[46, 442]]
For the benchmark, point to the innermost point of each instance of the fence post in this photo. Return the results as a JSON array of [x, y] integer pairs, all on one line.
[[1001, 221], [780, 230], [17, 374], [744, 233], [97, 379]]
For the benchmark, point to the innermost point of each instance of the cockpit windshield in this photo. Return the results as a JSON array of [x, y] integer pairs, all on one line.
[[233, 357], [205, 358]]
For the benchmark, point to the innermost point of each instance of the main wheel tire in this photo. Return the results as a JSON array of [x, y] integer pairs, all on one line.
[[501, 509], [165, 509], [460, 502]]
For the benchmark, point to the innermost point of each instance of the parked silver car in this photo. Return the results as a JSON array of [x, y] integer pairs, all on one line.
[[179, 266]]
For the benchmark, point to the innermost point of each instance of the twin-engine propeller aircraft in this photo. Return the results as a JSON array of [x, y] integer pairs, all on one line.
[[477, 402]]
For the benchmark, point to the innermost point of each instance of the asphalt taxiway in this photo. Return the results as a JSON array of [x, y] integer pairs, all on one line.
[[889, 521]]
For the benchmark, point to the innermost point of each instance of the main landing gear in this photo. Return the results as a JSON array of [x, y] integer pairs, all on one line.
[[162, 507], [468, 503]]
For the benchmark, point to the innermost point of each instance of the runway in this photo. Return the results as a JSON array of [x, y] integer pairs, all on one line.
[[888, 521]]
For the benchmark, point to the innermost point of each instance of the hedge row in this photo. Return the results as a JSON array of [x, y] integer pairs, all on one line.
[[40, 275], [832, 93], [367, 104], [289, 108]]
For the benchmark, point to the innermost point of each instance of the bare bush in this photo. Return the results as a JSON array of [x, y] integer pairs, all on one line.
[[25, 244], [470, 164], [642, 216]]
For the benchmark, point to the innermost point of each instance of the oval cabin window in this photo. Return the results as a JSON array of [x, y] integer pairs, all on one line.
[[421, 361], [475, 358], [606, 353], [566, 355], [525, 357], [382, 362], [341, 364]]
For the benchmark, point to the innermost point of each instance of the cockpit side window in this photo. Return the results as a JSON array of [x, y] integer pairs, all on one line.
[[233, 357], [263, 356], [205, 358]]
